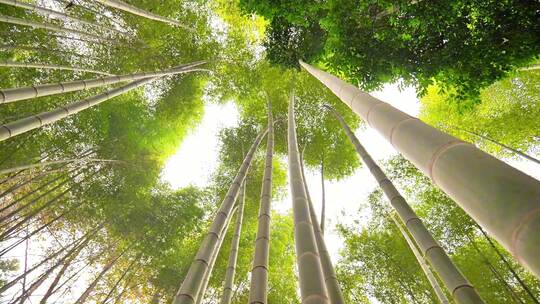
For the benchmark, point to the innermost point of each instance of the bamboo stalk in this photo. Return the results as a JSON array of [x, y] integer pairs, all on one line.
[[425, 268], [51, 27], [11, 64], [16, 94], [502, 199], [50, 12], [140, 12], [453, 279], [258, 291], [192, 284], [332, 285], [310, 273]]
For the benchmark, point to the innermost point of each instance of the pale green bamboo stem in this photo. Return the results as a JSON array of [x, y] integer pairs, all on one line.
[[213, 259], [16, 94], [55, 162], [332, 285], [50, 12], [258, 291], [233, 255], [26, 124], [502, 199], [310, 273], [425, 268], [462, 291], [140, 12], [49, 67], [192, 284], [51, 27]]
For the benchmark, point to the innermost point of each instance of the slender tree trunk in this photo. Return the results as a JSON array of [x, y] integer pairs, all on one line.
[[310, 272], [25, 262], [499, 197], [425, 268], [524, 155], [57, 14], [231, 266], [192, 284], [39, 49], [332, 285], [507, 264], [140, 12], [52, 27], [531, 68], [495, 272], [323, 199], [16, 94], [128, 269], [56, 162], [208, 274], [455, 282], [90, 288], [11, 64], [258, 291]]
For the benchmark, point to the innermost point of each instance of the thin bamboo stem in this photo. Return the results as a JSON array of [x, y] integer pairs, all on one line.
[[11, 64], [310, 272]]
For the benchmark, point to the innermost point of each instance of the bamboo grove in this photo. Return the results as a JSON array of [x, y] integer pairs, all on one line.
[[97, 96]]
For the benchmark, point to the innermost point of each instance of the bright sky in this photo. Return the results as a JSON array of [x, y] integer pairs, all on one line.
[[197, 158]]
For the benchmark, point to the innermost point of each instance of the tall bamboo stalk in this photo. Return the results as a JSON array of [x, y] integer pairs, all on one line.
[[323, 198], [332, 285], [455, 282], [82, 298], [16, 94], [425, 268], [258, 291], [502, 199], [140, 12], [192, 284], [310, 273], [50, 12], [11, 64], [233, 255], [55, 162], [37, 121], [52, 27]]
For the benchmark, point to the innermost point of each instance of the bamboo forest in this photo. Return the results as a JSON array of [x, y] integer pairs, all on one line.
[[269, 151]]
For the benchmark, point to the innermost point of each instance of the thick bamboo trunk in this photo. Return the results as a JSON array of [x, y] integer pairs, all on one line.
[[52, 27], [213, 259], [140, 12], [425, 268], [310, 273], [455, 282], [16, 94], [192, 284], [332, 285], [233, 255], [57, 14], [11, 64], [499, 197], [258, 291], [524, 155]]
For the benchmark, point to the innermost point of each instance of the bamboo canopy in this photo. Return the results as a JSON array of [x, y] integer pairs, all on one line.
[[502, 199]]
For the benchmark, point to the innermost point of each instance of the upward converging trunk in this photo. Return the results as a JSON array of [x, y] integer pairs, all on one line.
[[259, 273], [140, 12], [231, 264], [16, 94], [332, 285], [455, 282], [11, 64], [425, 268], [310, 273], [52, 27], [193, 282], [57, 14], [499, 197], [323, 198]]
